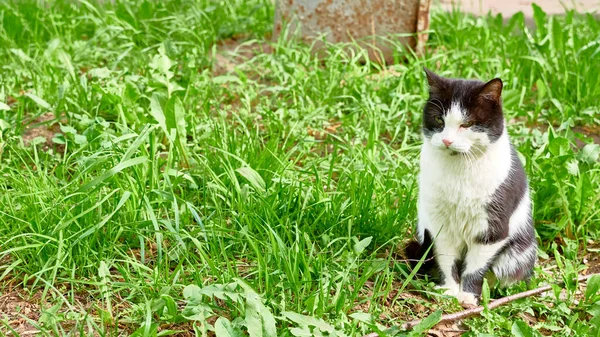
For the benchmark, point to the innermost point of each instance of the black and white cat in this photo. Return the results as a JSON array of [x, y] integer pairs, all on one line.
[[474, 203]]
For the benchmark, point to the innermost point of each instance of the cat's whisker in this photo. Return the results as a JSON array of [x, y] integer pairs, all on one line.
[[471, 160], [437, 103], [482, 152], [474, 152]]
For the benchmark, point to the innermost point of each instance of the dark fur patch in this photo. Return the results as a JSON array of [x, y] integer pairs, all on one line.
[[414, 251], [523, 239], [473, 282], [504, 202], [481, 101], [524, 272], [457, 269], [517, 245]]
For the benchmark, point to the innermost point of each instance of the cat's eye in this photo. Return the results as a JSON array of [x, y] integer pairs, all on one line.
[[467, 125], [439, 120]]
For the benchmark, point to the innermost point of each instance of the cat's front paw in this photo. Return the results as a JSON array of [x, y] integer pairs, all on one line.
[[450, 290], [467, 300]]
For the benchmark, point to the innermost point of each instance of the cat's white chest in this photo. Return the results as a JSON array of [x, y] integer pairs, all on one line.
[[457, 208], [453, 197]]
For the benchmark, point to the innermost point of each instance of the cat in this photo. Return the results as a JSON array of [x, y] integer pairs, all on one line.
[[474, 206]]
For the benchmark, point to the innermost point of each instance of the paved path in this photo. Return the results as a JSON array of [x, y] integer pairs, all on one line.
[[509, 7]]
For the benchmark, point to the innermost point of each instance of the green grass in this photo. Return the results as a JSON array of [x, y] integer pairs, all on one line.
[[274, 194]]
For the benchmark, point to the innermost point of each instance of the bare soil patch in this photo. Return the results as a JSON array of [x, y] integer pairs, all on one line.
[[44, 126], [17, 309]]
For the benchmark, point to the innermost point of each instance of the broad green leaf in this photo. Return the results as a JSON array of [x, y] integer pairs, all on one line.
[[223, 328], [38, 100], [580, 189], [223, 292], [131, 91], [593, 285], [157, 112], [301, 332], [253, 317], [68, 129], [426, 323], [541, 90], [38, 140], [179, 119], [100, 72], [259, 319], [253, 178], [162, 62], [595, 327], [572, 167], [557, 104], [226, 79], [304, 320], [170, 304], [556, 34], [539, 17], [59, 139], [559, 146], [521, 329], [485, 293], [4, 125], [103, 270], [594, 310], [192, 293], [360, 246], [80, 139], [195, 309], [589, 153], [49, 317], [362, 317]]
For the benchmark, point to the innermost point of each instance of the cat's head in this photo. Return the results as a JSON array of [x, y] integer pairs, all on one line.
[[462, 116]]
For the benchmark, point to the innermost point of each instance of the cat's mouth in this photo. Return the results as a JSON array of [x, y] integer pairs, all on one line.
[[453, 153]]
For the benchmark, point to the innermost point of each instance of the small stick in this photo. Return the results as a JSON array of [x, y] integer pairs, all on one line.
[[494, 304]]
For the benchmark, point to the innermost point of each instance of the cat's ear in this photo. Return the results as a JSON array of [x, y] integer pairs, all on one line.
[[492, 90], [436, 82]]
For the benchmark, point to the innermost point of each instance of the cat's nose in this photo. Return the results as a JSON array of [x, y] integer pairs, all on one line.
[[447, 142]]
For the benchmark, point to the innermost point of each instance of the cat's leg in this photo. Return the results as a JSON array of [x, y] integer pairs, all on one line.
[[517, 259], [477, 263], [448, 258]]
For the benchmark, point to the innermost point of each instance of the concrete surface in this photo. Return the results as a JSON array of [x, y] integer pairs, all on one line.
[[509, 7]]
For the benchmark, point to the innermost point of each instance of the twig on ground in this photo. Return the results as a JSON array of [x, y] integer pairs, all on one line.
[[494, 304]]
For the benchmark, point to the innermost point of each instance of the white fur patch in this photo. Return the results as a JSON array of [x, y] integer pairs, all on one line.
[[462, 139], [467, 299]]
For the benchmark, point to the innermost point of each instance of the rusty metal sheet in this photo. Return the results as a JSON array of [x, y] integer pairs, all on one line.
[[368, 22]]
